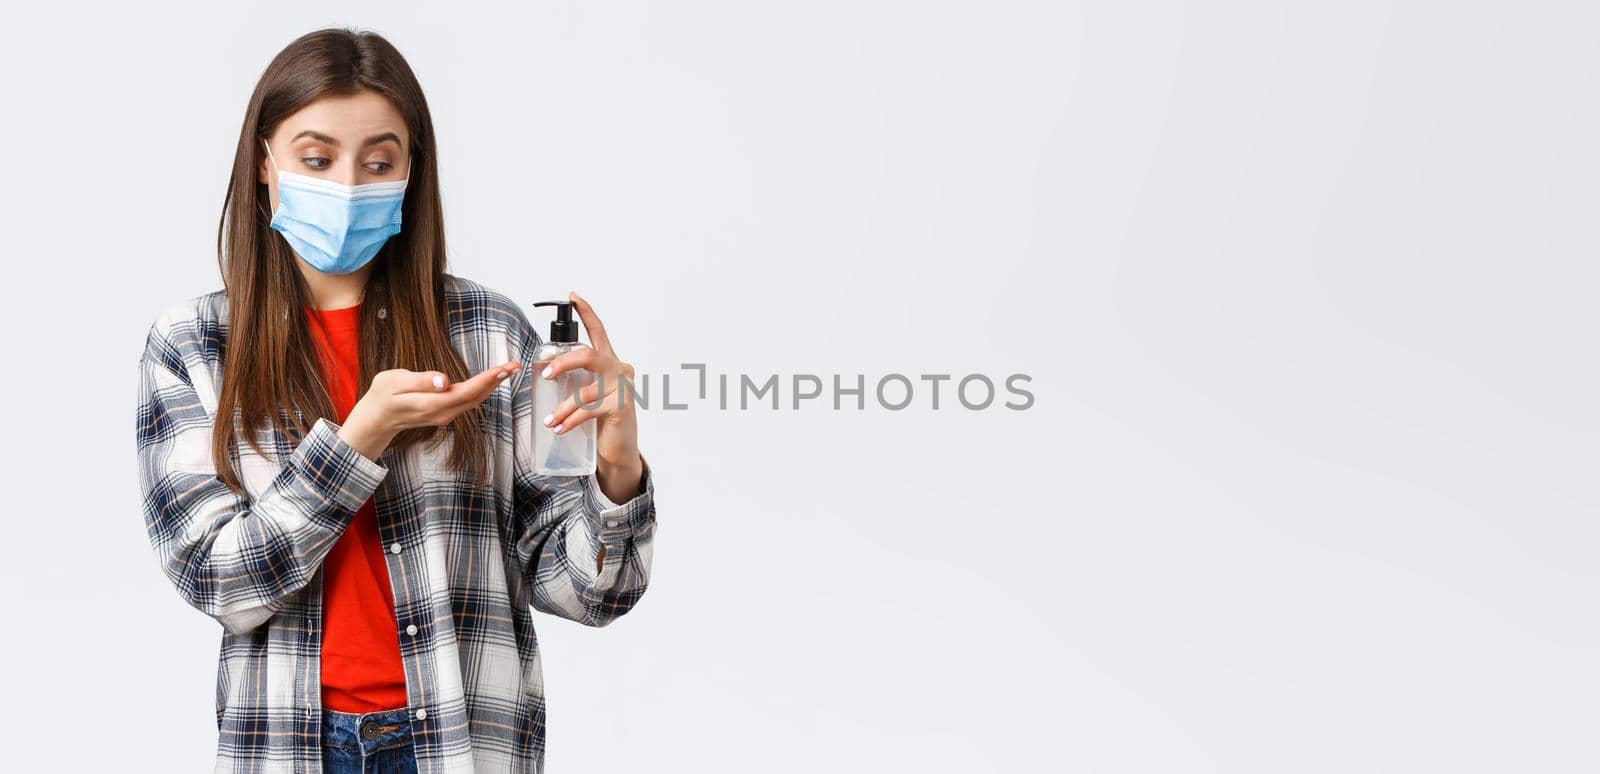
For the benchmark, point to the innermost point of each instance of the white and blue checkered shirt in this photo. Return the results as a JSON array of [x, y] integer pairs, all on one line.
[[466, 564]]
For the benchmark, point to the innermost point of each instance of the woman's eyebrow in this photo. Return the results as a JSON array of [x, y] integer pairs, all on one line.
[[373, 140]]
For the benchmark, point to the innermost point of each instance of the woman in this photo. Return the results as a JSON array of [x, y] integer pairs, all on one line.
[[372, 560]]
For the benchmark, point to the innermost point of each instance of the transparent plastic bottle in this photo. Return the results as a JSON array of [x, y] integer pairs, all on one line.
[[570, 453]]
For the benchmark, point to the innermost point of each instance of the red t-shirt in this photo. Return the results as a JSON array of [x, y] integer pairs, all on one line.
[[361, 667]]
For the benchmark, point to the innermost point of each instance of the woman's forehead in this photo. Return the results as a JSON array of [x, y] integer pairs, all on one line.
[[345, 120]]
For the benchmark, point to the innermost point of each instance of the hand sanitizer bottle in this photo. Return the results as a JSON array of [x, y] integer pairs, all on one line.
[[572, 452]]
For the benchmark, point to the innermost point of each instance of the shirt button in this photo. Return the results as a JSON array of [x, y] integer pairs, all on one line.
[[611, 523], [412, 629], [382, 313], [394, 548], [422, 714]]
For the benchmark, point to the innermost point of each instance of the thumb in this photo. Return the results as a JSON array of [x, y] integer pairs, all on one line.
[[426, 381]]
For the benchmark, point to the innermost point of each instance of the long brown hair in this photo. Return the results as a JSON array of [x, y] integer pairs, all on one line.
[[270, 366]]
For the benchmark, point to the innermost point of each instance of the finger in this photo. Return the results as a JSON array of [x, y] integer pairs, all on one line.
[[578, 417], [422, 381], [441, 409], [583, 357], [474, 390], [591, 323], [588, 394], [487, 380], [570, 405]]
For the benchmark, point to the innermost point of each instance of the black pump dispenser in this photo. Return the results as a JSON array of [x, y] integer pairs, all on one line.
[[564, 330]]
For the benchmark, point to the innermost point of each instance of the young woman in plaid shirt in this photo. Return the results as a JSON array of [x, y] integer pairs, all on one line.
[[335, 451]]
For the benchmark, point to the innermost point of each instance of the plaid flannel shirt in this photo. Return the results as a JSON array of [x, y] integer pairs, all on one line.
[[465, 563]]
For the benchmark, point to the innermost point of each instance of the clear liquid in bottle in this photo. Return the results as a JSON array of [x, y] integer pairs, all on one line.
[[571, 453]]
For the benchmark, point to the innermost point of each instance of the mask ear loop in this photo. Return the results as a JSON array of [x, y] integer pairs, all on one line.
[[269, 155], [276, 173]]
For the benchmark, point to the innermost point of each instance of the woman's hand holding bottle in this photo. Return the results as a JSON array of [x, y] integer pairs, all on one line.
[[618, 466], [400, 399]]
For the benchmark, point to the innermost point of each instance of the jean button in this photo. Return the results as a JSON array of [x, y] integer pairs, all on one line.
[[369, 729]]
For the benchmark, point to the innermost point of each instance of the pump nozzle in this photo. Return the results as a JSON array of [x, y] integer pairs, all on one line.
[[565, 329]]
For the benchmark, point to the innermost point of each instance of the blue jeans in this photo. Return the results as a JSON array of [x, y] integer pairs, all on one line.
[[367, 742]]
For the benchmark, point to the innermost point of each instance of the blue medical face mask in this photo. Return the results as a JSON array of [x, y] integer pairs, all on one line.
[[336, 228]]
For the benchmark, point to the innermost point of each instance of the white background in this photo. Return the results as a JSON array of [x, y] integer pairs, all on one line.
[[1307, 292]]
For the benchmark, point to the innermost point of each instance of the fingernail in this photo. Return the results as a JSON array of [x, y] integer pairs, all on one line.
[[502, 374], [546, 372], [438, 382], [558, 430], [548, 418]]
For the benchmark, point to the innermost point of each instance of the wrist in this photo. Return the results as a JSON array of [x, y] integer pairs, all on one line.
[[365, 434], [620, 481]]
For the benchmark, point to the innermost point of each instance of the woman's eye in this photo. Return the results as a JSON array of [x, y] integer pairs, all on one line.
[[380, 166], [315, 162]]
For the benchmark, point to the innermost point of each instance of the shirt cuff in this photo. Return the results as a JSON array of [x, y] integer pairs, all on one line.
[[335, 469], [613, 521]]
